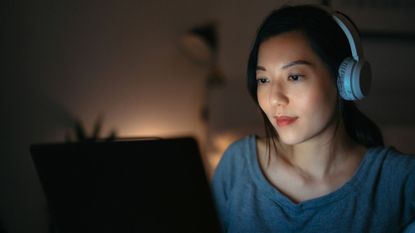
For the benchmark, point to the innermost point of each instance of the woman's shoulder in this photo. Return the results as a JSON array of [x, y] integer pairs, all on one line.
[[393, 157], [392, 162], [399, 168], [240, 148], [243, 141], [236, 157]]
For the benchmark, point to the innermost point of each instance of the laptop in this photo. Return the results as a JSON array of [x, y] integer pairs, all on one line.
[[128, 186]]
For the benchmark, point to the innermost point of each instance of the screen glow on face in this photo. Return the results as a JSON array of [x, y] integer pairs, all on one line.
[[295, 88]]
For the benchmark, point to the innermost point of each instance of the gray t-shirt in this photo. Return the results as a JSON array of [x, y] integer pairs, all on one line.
[[380, 197]]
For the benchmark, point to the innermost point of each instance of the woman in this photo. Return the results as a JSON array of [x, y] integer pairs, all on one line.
[[322, 166]]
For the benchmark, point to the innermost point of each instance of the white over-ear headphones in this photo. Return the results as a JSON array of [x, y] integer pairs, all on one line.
[[354, 74]]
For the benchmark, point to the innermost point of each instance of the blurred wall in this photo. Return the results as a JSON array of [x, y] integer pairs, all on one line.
[[70, 60]]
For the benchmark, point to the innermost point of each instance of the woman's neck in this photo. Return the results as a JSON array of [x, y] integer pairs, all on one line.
[[321, 156], [313, 168]]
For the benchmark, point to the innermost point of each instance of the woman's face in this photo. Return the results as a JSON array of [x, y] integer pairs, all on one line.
[[295, 89]]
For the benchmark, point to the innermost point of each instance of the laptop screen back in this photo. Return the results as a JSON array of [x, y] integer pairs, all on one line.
[[126, 186]]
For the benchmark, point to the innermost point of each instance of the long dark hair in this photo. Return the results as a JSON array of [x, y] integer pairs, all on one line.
[[329, 42]]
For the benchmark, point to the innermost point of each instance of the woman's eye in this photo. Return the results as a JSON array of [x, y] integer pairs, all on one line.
[[295, 77], [262, 80]]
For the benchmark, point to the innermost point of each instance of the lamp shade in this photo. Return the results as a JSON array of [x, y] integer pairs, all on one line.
[[200, 44]]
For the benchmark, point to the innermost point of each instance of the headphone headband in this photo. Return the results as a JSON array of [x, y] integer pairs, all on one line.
[[351, 34], [354, 74]]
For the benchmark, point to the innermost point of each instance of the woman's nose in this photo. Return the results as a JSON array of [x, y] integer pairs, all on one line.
[[278, 95]]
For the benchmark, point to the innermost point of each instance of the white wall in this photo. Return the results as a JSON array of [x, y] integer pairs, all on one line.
[[79, 59]]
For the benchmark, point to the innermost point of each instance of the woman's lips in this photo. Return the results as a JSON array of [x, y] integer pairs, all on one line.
[[285, 120]]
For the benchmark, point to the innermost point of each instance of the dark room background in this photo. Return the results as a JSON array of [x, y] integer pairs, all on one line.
[[66, 61]]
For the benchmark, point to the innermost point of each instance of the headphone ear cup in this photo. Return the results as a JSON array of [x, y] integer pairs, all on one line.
[[344, 79], [354, 78]]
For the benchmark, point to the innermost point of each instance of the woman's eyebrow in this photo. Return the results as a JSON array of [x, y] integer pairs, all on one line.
[[293, 63], [261, 68], [297, 62]]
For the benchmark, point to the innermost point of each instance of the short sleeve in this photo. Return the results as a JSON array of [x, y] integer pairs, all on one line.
[[221, 183], [409, 202], [228, 174]]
